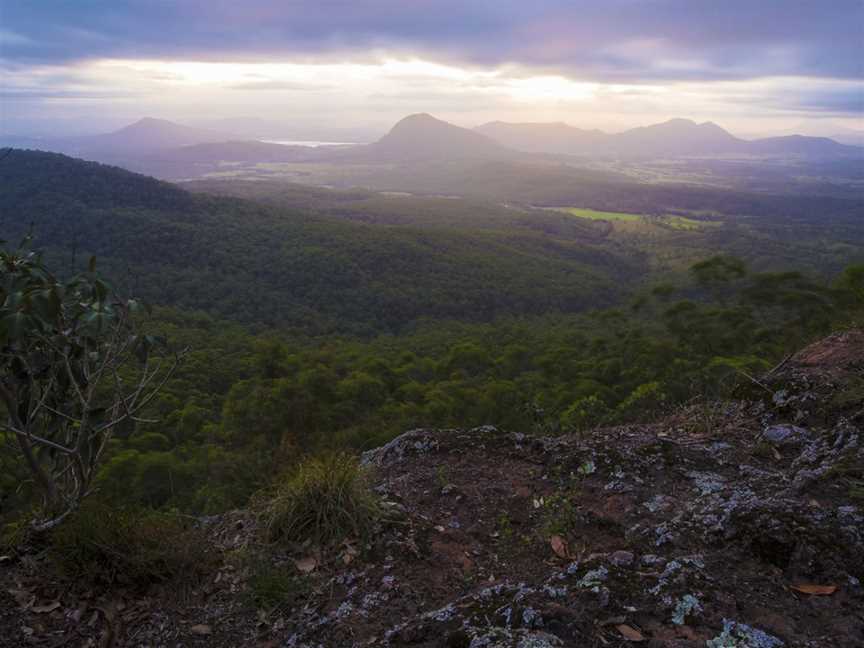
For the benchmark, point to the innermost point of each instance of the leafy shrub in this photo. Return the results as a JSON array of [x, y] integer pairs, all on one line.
[[325, 500], [14, 536], [102, 544], [646, 399], [585, 413]]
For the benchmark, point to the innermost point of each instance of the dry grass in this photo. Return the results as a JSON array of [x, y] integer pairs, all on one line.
[[326, 499]]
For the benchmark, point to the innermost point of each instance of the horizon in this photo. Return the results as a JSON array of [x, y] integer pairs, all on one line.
[[299, 141], [311, 71]]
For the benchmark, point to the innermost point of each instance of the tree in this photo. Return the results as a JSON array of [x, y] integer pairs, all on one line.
[[74, 365], [718, 274], [852, 281]]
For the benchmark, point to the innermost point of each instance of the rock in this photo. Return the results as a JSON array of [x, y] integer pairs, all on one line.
[[650, 560], [413, 442], [739, 634], [785, 435], [622, 558]]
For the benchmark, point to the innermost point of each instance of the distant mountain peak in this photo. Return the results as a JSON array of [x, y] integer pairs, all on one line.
[[422, 120], [150, 122], [419, 117], [145, 134], [422, 136], [677, 121]]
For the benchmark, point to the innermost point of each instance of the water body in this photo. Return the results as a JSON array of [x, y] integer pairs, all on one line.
[[310, 143]]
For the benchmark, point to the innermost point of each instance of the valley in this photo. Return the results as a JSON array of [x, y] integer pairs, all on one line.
[[325, 300]]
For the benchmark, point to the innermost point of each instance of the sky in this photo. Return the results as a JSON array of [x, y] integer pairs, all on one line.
[[350, 69]]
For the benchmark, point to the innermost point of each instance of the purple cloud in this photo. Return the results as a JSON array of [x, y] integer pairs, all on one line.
[[604, 40]]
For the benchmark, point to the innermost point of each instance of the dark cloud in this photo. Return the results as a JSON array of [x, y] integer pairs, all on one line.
[[603, 40]]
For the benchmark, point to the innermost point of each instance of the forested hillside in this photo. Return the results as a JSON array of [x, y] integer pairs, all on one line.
[[269, 266], [330, 319]]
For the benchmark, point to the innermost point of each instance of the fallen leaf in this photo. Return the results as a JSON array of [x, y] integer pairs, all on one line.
[[559, 546], [306, 565], [630, 634], [201, 629], [815, 590], [44, 609]]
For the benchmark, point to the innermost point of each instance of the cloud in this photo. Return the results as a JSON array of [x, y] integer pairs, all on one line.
[[829, 98], [280, 86], [620, 41], [8, 38], [34, 94]]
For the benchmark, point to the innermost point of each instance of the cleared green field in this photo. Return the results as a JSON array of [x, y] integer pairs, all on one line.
[[598, 215], [683, 223], [676, 222]]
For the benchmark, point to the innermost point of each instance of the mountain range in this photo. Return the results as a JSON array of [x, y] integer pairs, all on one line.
[[423, 138], [674, 138]]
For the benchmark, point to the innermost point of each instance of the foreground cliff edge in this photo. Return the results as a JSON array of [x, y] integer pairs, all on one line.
[[727, 524]]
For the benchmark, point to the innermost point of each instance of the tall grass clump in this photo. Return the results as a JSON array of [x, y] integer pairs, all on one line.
[[326, 499]]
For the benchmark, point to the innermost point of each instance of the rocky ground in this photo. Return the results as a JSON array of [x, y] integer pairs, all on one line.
[[733, 524]]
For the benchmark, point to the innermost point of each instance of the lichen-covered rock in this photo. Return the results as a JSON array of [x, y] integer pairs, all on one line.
[[739, 635], [413, 442], [785, 435]]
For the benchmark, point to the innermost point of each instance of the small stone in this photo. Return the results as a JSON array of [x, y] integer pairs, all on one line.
[[651, 560], [622, 558], [787, 435]]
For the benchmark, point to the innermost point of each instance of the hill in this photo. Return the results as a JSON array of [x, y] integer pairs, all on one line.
[[143, 137], [558, 138], [269, 265], [148, 134], [422, 137], [676, 137]]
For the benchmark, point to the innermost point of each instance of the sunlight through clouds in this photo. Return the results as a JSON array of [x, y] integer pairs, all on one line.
[[381, 89]]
